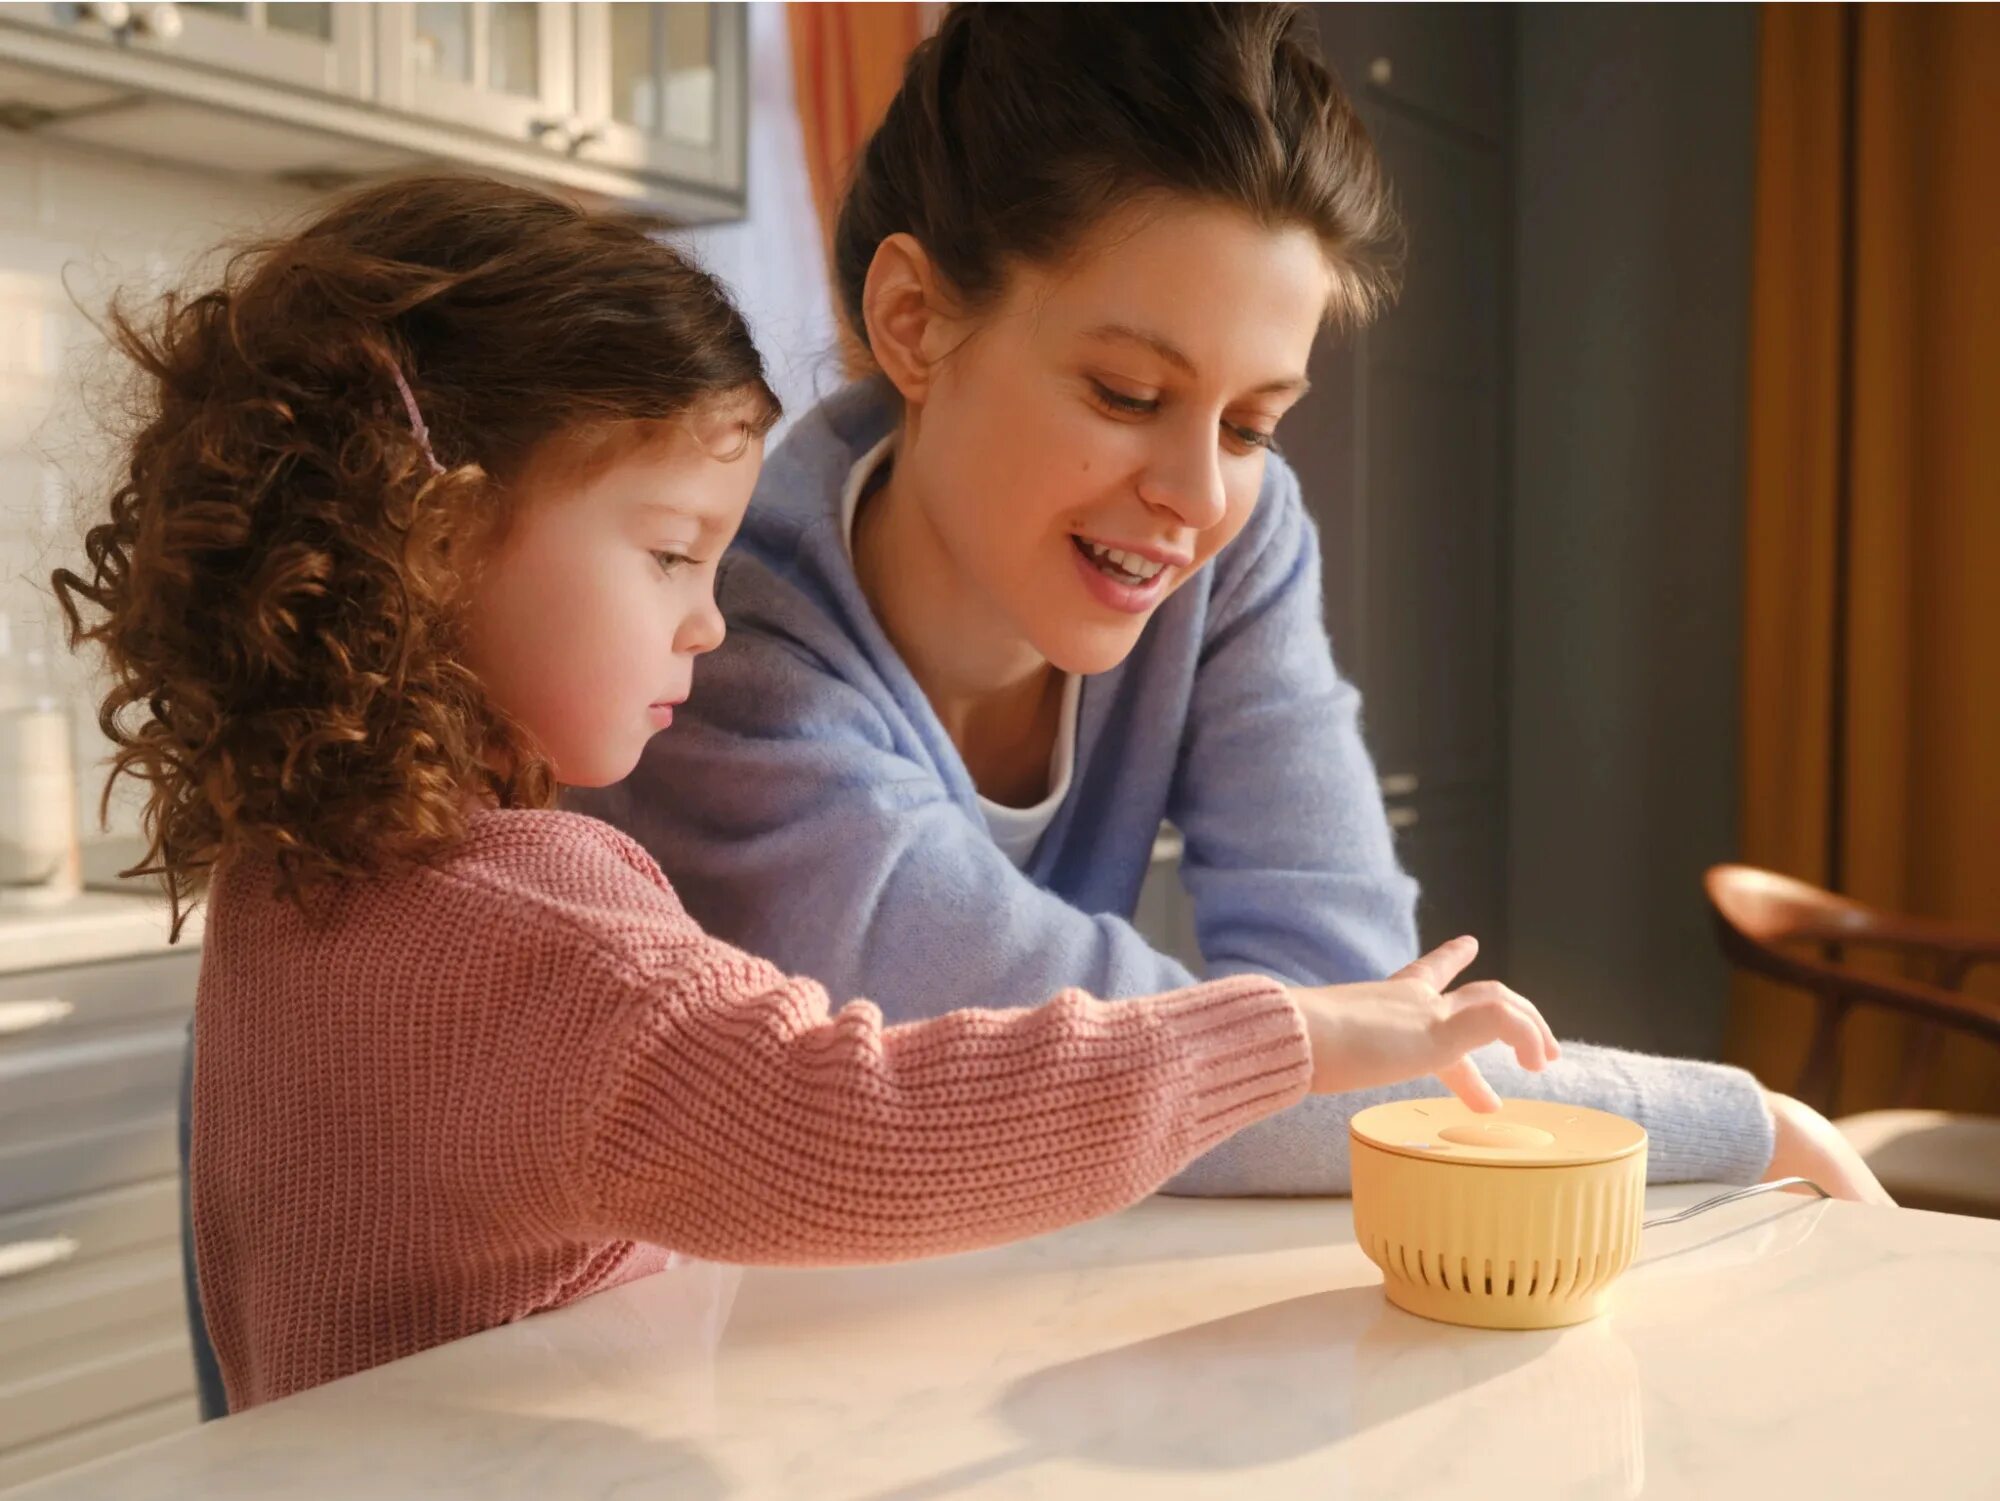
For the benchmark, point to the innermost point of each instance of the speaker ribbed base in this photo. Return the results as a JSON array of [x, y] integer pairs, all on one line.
[[1498, 1247]]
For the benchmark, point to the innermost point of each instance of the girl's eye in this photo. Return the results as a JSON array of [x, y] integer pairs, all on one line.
[[1251, 437], [1118, 401], [669, 561]]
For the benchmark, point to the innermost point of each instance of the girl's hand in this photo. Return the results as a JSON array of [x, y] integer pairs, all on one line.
[[1811, 1146], [1367, 1035]]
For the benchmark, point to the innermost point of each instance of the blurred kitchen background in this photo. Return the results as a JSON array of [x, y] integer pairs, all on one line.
[[1661, 519]]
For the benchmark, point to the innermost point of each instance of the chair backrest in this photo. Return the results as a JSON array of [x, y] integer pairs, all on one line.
[[1769, 924], [1767, 907], [1765, 920], [1758, 911]]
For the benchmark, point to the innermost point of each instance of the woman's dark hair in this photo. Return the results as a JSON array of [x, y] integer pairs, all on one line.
[[1019, 127], [276, 581]]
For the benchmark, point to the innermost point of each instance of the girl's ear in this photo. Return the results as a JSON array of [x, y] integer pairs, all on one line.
[[912, 319]]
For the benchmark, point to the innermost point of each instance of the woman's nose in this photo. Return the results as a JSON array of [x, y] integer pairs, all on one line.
[[1184, 477]]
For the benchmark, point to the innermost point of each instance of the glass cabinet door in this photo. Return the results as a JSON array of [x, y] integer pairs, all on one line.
[[327, 47], [661, 89], [502, 68], [640, 102]]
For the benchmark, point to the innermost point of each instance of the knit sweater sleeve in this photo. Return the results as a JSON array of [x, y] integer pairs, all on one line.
[[1307, 886], [733, 1117], [1289, 862]]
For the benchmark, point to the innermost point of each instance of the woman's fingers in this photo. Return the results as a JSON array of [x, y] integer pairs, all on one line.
[[1442, 964]]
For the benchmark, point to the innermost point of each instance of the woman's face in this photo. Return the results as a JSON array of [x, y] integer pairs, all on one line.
[[1101, 432]]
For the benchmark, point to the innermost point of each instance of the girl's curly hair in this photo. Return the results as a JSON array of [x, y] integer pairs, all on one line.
[[275, 587]]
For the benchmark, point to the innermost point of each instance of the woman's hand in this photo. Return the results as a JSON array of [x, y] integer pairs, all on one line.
[[1367, 1035], [1811, 1146]]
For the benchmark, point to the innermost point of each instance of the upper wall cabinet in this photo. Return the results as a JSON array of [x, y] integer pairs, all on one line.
[[644, 104], [654, 90], [324, 47], [660, 89], [315, 46], [507, 70]]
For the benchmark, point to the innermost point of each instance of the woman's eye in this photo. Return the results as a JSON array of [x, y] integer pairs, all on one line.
[[1118, 401], [669, 561], [1252, 437]]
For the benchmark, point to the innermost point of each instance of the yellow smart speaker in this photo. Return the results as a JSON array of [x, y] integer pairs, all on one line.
[[1520, 1218]]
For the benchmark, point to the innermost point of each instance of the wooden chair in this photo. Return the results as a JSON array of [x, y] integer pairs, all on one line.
[[1797, 934]]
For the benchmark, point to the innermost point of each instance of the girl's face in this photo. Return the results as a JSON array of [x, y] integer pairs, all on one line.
[[1100, 434], [589, 613]]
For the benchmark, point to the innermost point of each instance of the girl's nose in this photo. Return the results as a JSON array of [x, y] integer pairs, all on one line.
[[702, 631]]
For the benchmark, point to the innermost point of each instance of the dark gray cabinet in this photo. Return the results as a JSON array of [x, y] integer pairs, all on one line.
[[1401, 451], [1449, 65]]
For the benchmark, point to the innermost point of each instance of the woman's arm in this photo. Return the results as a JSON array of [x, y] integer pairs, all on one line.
[[1289, 858], [1293, 872], [1811, 1146]]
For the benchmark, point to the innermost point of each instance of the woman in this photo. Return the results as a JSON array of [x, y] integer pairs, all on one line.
[[1041, 583]]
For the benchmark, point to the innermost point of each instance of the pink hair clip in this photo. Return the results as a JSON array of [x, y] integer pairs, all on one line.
[[423, 434]]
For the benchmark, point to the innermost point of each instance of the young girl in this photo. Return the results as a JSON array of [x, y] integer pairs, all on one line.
[[421, 526]]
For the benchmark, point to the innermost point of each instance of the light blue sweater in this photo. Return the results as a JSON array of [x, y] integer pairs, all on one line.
[[808, 806]]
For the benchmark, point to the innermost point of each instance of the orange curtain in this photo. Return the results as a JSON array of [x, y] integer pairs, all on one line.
[[847, 62], [1872, 614]]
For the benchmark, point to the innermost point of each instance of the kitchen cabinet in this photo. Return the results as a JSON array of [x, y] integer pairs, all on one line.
[[660, 89], [326, 47], [508, 70], [1402, 454], [653, 90], [1447, 65], [642, 105], [94, 1349]]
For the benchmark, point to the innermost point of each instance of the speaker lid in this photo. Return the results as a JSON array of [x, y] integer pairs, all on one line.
[[1521, 1133]]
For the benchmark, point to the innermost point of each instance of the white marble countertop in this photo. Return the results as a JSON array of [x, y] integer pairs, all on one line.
[[1774, 1346], [90, 928]]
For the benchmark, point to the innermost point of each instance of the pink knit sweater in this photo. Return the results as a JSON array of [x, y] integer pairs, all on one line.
[[499, 1084]]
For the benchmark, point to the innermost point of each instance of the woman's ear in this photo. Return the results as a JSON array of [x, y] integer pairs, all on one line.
[[909, 317]]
